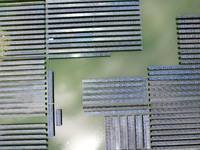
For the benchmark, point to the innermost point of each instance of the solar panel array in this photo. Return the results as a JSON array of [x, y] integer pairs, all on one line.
[[22, 72], [127, 132], [76, 27], [34, 31], [23, 136], [23, 89], [70, 29], [189, 38], [128, 99], [115, 96], [22, 33], [23, 85], [174, 107]]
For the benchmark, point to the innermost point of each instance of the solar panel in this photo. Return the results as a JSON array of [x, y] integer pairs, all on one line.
[[127, 132], [33, 32], [51, 111], [23, 136], [23, 89], [162, 113], [188, 38], [115, 96], [93, 26], [174, 106]]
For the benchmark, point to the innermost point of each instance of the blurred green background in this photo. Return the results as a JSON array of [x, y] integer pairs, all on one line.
[[83, 132]]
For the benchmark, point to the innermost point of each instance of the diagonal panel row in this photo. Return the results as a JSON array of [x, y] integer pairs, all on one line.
[[93, 26], [189, 38], [115, 96], [23, 136], [174, 107]]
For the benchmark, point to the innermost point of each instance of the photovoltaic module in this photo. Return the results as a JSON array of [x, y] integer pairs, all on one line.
[[159, 111]]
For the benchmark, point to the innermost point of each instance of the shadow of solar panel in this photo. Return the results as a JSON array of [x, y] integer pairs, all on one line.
[[93, 26], [174, 107], [189, 38], [115, 96]]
